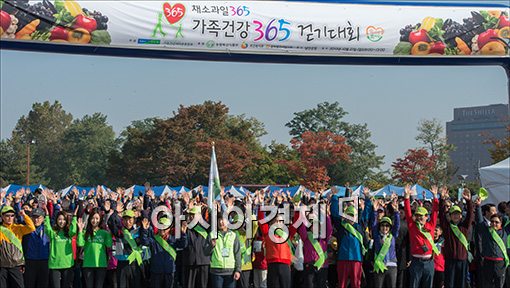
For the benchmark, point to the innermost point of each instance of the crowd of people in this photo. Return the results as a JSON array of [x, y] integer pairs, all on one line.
[[116, 239]]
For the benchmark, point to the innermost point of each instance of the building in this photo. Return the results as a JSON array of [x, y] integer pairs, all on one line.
[[470, 128]]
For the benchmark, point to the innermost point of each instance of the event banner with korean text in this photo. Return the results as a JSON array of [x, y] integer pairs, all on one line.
[[262, 27]]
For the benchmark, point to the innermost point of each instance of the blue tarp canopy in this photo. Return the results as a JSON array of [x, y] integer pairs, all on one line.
[[342, 190], [387, 190], [418, 191], [82, 190], [13, 188]]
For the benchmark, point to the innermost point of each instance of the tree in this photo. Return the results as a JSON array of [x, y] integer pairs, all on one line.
[[177, 149], [45, 124], [132, 161], [317, 150], [500, 149], [328, 117], [88, 143], [431, 137], [268, 168], [415, 167], [13, 164]]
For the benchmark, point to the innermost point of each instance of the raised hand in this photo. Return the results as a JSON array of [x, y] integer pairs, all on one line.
[[81, 225], [19, 194], [434, 190], [466, 194], [444, 193], [407, 191], [184, 227], [22, 213], [366, 192], [107, 206], [120, 207], [145, 223]]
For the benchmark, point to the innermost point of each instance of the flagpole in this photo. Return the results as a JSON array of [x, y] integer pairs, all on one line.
[[210, 198]]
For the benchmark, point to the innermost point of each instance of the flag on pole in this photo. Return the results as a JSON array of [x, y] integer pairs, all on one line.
[[214, 180]]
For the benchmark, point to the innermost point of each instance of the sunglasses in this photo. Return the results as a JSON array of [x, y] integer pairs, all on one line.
[[8, 215]]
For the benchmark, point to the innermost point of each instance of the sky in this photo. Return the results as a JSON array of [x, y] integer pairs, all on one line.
[[390, 99]]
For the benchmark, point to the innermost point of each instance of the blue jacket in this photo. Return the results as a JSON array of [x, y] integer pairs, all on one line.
[[36, 245], [378, 241], [161, 261], [349, 247]]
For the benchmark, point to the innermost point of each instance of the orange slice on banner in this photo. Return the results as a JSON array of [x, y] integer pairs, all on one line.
[[73, 7]]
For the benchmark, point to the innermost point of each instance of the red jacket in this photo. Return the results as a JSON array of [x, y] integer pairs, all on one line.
[[260, 259], [275, 253], [416, 238]]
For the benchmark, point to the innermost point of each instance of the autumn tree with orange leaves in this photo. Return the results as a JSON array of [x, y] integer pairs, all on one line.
[[415, 167], [317, 150]]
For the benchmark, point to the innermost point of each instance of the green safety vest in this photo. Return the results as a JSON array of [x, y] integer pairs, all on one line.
[[9, 235], [217, 259]]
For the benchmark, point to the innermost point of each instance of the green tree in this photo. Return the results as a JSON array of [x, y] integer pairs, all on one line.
[[431, 137], [327, 116], [268, 169], [45, 125], [13, 164], [87, 144]]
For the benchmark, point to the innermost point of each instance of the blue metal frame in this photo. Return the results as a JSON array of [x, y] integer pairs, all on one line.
[[249, 58]]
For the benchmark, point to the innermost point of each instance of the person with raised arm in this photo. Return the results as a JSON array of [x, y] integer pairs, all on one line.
[[61, 260], [456, 245], [11, 250], [95, 242], [421, 236]]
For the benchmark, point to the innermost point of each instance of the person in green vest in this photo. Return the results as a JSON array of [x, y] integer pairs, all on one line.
[[11, 250], [94, 241], [385, 231], [128, 252], [225, 256], [163, 253], [494, 252], [246, 251], [61, 261]]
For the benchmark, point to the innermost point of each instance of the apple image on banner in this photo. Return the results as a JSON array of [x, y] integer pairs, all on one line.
[[174, 13]]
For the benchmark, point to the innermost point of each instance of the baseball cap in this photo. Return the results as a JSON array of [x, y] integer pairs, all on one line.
[[350, 210], [194, 210], [386, 219], [37, 212], [421, 211], [6, 209], [454, 209], [128, 213]]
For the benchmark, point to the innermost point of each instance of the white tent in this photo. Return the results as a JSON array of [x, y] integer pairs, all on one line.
[[496, 179]]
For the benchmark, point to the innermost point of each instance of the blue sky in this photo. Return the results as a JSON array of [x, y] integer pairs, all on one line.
[[390, 99]]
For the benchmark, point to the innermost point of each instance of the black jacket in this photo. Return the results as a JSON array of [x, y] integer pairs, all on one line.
[[194, 253]]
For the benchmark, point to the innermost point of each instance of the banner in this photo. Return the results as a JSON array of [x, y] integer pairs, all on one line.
[[263, 27]]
